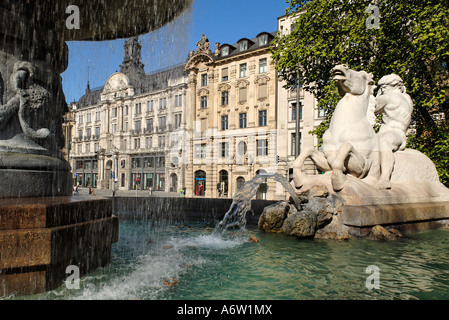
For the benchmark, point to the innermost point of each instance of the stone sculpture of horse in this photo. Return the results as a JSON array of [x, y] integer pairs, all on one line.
[[350, 145]]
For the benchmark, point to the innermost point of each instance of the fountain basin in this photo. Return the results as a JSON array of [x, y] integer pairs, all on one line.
[[275, 268]]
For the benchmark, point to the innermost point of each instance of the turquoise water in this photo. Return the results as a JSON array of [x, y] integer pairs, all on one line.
[[277, 267]]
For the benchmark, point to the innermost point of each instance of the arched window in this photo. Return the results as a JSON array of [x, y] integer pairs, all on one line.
[[223, 183], [173, 182], [200, 183], [263, 187], [240, 182]]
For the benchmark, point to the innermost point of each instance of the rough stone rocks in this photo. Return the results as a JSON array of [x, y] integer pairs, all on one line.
[[273, 216], [335, 230], [300, 224], [380, 233]]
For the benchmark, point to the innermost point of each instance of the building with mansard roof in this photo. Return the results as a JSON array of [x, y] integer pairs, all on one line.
[[123, 130], [207, 126]]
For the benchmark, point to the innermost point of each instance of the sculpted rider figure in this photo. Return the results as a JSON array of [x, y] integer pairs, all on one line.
[[396, 108]]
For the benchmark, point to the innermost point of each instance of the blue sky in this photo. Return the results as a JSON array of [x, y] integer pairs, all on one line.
[[224, 21]]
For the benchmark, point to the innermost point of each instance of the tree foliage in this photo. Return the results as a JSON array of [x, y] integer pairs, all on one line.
[[412, 41]]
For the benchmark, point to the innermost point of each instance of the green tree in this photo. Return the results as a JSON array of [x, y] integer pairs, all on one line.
[[411, 40]]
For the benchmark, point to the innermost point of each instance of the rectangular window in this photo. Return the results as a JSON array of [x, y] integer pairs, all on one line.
[[114, 112], [97, 132], [224, 98], [148, 162], [242, 120], [97, 116], [160, 162], [149, 105], [262, 118], [178, 100], [137, 126], [89, 133], [294, 110], [161, 142], [200, 151], [114, 127], [262, 91], [224, 146], [224, 51], [243, 70], [203, 102], [243, 92], [135, 163], [80, 119], [162, 123], [243, 45], [177, 120], [263, 65], [88, 118], [224, 74], [173, 139], [224, 122], [137, 143], [262, 147], [263, 40], [80, 134], [138, 108], [204, 80], [321, 112], [150, 125]]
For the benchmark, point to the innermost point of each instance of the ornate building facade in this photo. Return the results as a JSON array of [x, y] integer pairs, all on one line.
[[232, 117], [206, 126], [122, 131]]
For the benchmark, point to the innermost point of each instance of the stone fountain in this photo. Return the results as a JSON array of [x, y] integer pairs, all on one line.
[[371, 186], [42, 228]]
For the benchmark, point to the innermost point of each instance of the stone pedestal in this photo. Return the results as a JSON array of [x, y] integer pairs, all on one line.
[[408, 206], [41, 237]]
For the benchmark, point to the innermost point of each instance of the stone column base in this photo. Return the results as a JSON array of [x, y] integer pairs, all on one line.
[[41, 237], [33, 175]]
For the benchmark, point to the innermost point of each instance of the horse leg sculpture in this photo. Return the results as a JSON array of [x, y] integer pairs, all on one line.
[[347, 160], [318, 159]]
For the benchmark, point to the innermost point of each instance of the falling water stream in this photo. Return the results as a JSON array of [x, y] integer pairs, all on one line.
[[241, 204]]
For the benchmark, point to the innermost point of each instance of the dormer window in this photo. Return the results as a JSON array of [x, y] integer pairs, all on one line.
[[224, 51], [243, 45], [263, 40]]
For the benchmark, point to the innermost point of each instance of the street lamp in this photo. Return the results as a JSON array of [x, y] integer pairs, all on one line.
[[297, 141]]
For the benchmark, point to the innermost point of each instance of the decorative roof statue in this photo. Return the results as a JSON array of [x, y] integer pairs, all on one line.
[[203, 45]]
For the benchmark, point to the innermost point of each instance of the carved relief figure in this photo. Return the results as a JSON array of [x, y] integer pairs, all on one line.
[[31, 103], [396, 108]]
